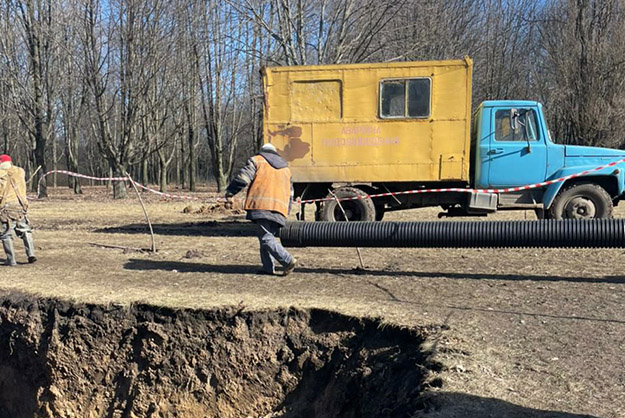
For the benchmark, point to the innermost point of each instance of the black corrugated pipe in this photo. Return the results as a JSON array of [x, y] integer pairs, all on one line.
[[599, 233]]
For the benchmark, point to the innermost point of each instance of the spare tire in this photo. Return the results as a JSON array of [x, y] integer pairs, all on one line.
[[361, 209]]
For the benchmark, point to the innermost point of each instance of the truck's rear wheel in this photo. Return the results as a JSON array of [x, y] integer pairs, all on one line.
[[582, 201], [361, 209]]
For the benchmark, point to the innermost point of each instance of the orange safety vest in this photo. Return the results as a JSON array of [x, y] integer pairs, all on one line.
[[271, 188]]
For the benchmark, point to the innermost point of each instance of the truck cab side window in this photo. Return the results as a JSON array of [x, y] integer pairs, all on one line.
[[405, 98], [525, 130]]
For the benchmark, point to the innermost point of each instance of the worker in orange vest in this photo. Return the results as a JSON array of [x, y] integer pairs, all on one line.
[[13, 208], [267, 203]]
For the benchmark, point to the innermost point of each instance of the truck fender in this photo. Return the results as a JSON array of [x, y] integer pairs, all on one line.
[[607, 174], [551, 193]]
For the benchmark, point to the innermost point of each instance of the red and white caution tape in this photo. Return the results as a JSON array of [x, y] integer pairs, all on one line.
[[82, 176], [466, 190], [162, 194], [371, 196], [178, 196]]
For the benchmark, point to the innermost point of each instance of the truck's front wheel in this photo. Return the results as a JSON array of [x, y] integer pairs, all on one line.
[[361, 209], [582, 201]]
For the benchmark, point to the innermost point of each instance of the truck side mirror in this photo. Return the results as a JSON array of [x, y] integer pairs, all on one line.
[[514, 119]]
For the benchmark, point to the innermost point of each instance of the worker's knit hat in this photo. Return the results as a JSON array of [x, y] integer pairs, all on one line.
[[5, 159], [268, 147]]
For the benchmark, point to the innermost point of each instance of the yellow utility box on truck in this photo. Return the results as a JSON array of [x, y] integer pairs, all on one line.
[[370, 124], [395, 122]]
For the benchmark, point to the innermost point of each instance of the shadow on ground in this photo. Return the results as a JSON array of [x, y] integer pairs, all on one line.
[[236, 269], [203, 229], [460, 405]]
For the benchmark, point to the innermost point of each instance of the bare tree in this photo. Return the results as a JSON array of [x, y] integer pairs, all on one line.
[[32, 90], [504, 59], [219, 60], [97, 50], [583, 75], [322, 31], [124, 52], [72, 91], [187, 80]]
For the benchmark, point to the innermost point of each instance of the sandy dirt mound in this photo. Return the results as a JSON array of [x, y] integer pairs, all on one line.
[[60, 359], [216, 209]]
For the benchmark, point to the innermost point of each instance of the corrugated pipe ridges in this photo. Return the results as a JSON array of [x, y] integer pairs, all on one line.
[[599, 233]]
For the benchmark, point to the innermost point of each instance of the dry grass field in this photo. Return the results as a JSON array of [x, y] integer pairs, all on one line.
[[527, 332]]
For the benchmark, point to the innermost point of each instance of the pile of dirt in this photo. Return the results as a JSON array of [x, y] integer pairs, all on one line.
[[213, 209], [62, 359]]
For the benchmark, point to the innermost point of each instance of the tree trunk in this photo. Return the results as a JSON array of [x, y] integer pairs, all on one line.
[[72, 158], [192, 165], [40, 134], [40, 161], [178, 165], [183, 166], [163, 164], [218, 169], [119, 187], [54, 164], [144, 170], [222, 181]]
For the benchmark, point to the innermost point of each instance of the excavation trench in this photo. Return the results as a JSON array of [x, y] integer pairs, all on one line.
[[62, 359]]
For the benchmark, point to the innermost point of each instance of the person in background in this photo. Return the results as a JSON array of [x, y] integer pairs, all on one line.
[[267, 203], [13, 208]]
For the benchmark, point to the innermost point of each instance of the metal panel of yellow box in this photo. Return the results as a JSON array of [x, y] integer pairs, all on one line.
[[325, 121]]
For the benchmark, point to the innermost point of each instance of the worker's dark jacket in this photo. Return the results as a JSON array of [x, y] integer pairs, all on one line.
[[256, 170]]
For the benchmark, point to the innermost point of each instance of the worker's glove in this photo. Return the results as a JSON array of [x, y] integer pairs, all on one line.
[[229, 204]]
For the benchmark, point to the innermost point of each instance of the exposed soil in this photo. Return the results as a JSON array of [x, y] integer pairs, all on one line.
[[62, 360], [212, 209], [493, 332]]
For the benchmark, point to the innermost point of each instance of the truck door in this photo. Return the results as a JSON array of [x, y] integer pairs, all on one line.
[[516, 156]]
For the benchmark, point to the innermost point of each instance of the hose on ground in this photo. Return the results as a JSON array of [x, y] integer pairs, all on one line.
[[569, 233]]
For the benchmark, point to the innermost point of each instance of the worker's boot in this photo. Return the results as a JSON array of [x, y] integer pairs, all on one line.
[[10, 253], [29, 245]]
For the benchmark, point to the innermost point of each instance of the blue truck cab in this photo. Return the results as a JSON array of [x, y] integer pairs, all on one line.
[[512, 147]]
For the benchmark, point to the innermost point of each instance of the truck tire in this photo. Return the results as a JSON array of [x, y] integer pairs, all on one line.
[[356, 210], [581, 201]]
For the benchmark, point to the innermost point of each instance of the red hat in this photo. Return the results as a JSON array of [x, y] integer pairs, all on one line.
[[4, 158]]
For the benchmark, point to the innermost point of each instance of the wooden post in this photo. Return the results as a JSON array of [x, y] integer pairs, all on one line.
[[338, 202], [145, 212]]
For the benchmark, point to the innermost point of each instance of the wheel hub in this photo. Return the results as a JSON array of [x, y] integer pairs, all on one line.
[[348, 213], [580, 208]]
